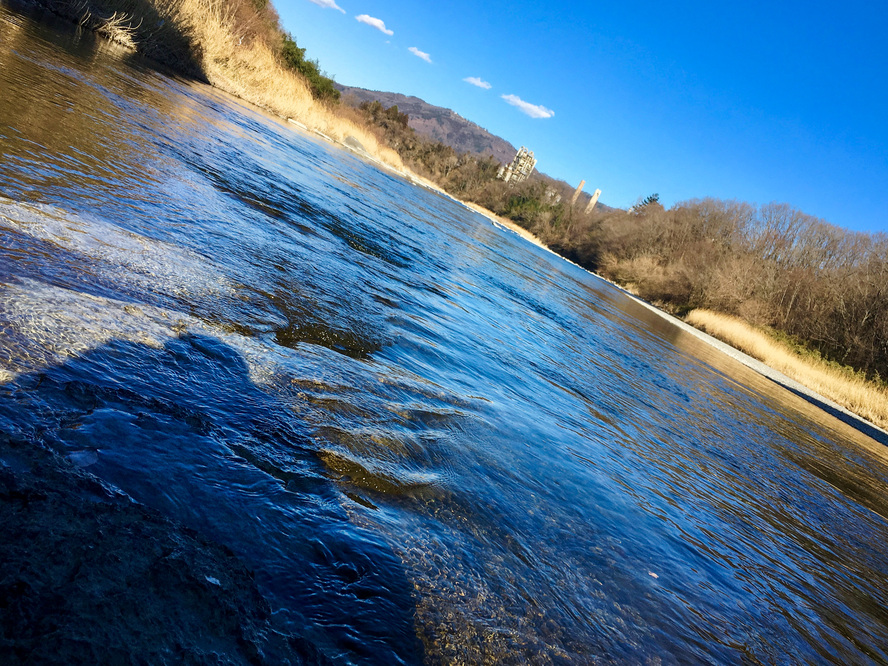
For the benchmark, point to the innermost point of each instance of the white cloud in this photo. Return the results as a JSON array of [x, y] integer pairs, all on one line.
[[329, 4], [476, 81], [420, 54], [532, 110], [372, 22]]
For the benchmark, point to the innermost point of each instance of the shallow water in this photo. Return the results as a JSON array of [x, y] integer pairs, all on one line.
[[430, 440]]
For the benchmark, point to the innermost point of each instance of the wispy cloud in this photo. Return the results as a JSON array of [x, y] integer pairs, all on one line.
[[476, 81], [329, 4], [532, 110], [372, 22], [420, 54]]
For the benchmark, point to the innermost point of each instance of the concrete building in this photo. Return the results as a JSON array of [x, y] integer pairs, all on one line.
[[576, 193], [520, 168], [592, 202]]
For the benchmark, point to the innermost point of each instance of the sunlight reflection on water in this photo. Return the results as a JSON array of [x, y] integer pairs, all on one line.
[[430, 440]]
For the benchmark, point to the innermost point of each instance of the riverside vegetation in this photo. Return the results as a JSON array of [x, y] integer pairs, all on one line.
[[818, 291], [235, 45]]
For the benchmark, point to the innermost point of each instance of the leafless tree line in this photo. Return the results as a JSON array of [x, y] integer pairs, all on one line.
[[772, 265]]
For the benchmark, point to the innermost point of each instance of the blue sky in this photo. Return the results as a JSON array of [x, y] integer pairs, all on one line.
[[752, 101]]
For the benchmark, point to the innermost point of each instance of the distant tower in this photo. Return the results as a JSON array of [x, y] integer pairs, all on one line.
[[576, 194], [520, 168], [592, 202]]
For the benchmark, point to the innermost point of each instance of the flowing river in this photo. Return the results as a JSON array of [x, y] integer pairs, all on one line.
[[430, 440]]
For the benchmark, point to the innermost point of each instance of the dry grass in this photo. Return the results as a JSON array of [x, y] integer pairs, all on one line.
[[842, 386], [212, 39], [118, 28], [249, 69]]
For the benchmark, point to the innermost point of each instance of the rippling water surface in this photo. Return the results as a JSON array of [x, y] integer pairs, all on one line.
[[430, 440]]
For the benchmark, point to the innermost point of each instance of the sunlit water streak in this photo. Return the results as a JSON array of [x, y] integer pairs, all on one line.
[[431, 440]]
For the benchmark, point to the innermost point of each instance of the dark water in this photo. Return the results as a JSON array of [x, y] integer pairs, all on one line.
[[430, 440]]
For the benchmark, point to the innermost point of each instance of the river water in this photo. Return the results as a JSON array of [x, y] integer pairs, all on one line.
[[429, 439]]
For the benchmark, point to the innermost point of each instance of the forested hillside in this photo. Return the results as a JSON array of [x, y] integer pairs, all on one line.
[[436, 123], [772, 265]]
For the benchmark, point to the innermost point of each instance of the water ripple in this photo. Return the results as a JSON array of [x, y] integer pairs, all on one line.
[[431, 441]]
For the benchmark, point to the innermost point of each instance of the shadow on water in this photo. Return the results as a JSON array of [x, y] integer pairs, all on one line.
[[184, 431], [155, 36], [88, 576]]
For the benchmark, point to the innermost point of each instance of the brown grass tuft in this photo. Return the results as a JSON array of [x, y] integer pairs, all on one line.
[[841, 385]]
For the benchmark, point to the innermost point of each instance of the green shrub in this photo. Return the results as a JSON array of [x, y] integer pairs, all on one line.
[[322, 87]]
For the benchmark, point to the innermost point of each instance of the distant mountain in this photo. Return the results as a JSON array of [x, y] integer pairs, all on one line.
[[438, 123], [452, 129]]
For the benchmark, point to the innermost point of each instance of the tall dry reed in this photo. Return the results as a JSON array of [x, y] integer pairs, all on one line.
[[842, 386], [250, 70]]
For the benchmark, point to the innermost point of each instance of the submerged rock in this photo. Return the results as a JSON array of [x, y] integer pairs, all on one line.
[[88, 576]]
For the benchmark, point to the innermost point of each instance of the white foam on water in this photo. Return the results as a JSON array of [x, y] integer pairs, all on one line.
[[121, 255], [42, 325]]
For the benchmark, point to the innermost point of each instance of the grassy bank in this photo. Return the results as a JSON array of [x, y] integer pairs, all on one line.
[[253, 71], [842, 385], [235, 45]]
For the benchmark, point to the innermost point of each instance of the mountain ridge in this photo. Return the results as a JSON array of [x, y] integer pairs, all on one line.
[[437, 123]]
